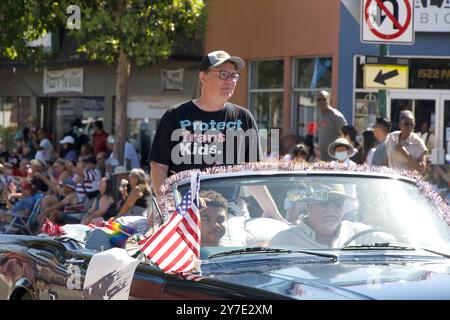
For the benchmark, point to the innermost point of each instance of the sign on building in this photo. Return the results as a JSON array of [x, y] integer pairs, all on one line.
[[172, 79], [387, 21], [66, 80], [386, 72], [378, 76], [432, 15]]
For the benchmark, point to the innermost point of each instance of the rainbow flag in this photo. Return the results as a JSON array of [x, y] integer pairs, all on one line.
[[118, 233]]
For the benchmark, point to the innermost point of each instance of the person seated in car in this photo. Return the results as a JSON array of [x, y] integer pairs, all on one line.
[[322, 225], [213, 215]]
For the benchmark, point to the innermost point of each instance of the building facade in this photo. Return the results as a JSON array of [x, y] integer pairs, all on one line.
[[293, 49], [71, 88]]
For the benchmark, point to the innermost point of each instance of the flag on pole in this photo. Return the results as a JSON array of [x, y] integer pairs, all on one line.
[[176, 244], [117, 233]]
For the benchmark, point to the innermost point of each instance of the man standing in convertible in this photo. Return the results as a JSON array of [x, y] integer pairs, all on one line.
[[209, 130]]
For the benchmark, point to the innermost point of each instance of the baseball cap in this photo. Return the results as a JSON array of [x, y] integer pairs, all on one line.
[[70, 183], [67, 139], [216, 58]]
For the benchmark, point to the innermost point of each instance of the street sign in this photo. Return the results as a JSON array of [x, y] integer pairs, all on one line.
[[387, 21], [380, 76]]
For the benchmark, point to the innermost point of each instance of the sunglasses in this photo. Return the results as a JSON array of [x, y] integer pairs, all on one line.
[[408, 124], [321, 99], [225, 75], [332, 202]]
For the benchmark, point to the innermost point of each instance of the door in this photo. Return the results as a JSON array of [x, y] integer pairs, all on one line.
[[444, 146]]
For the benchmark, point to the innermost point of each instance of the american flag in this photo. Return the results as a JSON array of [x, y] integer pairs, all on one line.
[[176, 244]]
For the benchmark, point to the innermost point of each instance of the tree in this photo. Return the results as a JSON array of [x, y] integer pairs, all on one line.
[[127, 32]]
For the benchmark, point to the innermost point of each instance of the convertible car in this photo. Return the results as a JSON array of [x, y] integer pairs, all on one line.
[[290, 232]]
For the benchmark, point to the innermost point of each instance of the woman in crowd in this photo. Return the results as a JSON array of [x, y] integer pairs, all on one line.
[[369, 146], [103, 207], [136, 203], [68, 149]]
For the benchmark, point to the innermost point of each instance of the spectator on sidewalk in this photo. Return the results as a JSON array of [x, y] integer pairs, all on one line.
[[329, 124], [99, 138], [68, 148], [405, 149], [381, 130], [349, 132], [131, 158]]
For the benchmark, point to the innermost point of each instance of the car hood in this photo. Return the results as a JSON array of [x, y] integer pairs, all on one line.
[[350, 277]]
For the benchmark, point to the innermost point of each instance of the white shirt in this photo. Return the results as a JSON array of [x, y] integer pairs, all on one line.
[[304, 236], [130, 154], [413, 144]]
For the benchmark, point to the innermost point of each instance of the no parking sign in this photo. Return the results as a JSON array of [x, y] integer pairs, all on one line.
[[387, 21]]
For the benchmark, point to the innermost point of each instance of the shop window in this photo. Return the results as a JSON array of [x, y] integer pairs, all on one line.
[[14, 111], [311, 75], [266, 92], [13, 114], [88, 110]]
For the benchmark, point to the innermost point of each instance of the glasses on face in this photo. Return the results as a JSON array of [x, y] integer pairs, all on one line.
[[408, 124], [332, 202], [321, 99], [225, 75]]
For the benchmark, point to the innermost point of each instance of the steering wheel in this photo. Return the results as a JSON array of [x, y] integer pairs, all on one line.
[[363, 233]]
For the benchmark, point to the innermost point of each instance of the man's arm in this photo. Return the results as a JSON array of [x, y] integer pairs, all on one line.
[[265, 200], [159, 173]]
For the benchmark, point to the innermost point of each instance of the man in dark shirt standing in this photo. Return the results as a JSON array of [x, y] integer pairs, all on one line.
[[209, 130]]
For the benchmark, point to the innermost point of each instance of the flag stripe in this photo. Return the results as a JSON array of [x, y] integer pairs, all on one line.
[[183, 254], [159, 247], [176, 244], [174, 248], [162, 232]]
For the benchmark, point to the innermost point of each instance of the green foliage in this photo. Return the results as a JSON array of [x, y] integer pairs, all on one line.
[[27, 20], [7, 134], [146, 30]]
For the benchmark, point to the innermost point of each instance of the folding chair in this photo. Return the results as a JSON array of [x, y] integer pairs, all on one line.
[[25, 224]]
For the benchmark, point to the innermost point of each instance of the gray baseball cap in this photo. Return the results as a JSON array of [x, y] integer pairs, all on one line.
[[216, 58]]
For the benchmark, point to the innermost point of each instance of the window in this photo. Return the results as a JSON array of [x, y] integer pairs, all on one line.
[[310, 76], [266, 92], [85, 109], [13, 114], [14, 111]]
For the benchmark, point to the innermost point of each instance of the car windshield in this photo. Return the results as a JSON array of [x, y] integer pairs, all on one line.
[[318, 212]]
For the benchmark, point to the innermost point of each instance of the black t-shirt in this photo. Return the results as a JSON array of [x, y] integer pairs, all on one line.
[[190, 138]]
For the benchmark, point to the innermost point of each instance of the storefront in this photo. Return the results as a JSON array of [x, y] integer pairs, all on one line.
[[428, 97]]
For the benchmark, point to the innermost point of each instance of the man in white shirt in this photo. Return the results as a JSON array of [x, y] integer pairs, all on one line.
[[45, 149], [131, 157], [322, 225]]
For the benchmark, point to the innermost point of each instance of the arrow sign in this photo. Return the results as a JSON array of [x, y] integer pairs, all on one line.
[[381, 78]]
